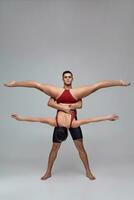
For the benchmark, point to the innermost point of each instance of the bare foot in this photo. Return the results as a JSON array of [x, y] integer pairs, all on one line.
[[10, 84], [46, 176], [90, 175], [16, 116], [113, 117], [124, 83]]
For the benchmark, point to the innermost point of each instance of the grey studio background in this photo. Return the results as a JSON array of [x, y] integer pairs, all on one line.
[[39, 40]]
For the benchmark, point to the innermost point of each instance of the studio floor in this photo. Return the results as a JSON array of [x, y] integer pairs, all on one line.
[[22, 181]]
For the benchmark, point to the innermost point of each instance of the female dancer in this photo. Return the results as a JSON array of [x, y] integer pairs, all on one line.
[[77, 93], [65, 119]]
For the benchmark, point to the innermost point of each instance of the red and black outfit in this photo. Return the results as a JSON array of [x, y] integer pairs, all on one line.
[[76, 133]]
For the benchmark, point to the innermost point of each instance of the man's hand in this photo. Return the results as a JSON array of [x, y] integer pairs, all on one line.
[[77, 105], [67, 109]]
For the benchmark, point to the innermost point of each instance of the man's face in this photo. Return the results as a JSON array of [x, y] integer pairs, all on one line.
[[67, 79]]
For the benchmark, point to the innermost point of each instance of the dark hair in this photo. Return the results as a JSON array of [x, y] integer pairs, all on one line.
[[65, 72]]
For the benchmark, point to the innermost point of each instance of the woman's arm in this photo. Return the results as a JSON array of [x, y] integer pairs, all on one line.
[[47, 120], [80, 122], [66, 107]]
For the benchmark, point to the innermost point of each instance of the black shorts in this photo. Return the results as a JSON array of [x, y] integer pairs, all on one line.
[[76, 133]]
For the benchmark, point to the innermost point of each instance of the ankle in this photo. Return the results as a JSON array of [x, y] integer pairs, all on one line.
[[48, 172]]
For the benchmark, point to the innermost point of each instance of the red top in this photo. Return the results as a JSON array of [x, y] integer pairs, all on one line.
[[66, 97]]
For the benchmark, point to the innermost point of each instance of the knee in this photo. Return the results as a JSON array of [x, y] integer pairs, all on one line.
[[80, 148], [55, 147], [37, 84]]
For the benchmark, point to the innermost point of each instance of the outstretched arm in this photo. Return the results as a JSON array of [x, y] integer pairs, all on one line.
[[80, 122], [65, 108], [47, 120]]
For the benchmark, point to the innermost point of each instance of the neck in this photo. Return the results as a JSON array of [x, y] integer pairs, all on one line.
[[67, 86]]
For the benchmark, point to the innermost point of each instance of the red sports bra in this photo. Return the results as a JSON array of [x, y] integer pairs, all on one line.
[[66, 97]]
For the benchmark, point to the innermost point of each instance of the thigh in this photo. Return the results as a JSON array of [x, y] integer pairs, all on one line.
[[50, 90], [84, 91]]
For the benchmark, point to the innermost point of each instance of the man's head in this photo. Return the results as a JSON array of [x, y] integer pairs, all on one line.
[[67, 78]]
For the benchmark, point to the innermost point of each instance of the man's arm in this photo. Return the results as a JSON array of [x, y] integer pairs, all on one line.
[[77, 105], [65, 108]]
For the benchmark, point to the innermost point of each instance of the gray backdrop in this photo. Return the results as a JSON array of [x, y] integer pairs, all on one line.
[[39, 40]]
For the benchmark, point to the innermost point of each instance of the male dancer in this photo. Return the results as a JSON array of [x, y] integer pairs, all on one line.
[[75, 94], [76, 133]]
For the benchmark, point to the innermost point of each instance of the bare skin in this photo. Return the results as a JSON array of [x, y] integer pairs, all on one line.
[[75, 123], [77, 93]]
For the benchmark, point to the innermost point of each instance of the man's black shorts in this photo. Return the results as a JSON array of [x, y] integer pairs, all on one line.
[[76, 133]]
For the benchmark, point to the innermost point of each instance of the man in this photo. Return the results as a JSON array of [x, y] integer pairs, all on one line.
[[76, 133]]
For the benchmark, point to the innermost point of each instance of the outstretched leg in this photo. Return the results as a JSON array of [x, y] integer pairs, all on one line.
[[47, 120], [51, 159], [83, 155], [77, 123], [84, 91], [47, 89]]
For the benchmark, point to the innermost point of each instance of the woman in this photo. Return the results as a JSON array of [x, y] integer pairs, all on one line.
[[65, 119], [77, 93]]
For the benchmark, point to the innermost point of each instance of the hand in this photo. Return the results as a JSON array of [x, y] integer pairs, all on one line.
[[113, 117], [67, 109], [16, 116]]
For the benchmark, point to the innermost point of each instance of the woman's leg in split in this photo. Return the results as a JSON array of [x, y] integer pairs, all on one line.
[[51, 159], [46, 120], [47, 89], [84, 91], [80, 122]]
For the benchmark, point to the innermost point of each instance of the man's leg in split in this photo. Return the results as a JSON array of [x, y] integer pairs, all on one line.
[[51, 159], [83, 155], [84, 91], [50, 90]]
